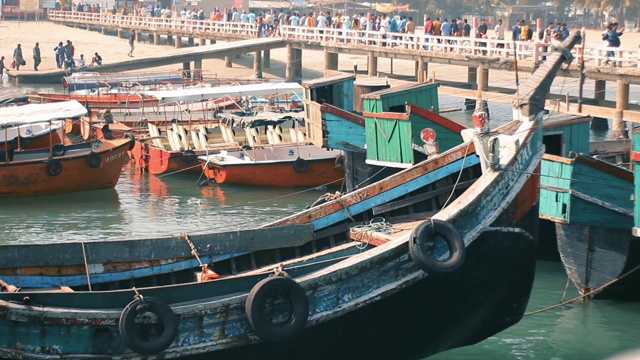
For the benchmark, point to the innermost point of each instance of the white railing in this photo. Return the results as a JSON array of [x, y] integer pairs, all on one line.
[[504, 49]]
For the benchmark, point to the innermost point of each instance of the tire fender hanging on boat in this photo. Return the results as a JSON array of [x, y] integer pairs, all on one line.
[[54, 167], [189, 156], [135, 330], [259, 302], [424, 246], [300, 165], [94, 160], [132, 138], [58, 149]]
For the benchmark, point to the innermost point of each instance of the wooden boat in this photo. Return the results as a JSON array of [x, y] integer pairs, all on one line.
[[303, 164], [97, 100], [62, 168], [591, 203], [458, 256], [36, 126], [92, 80], [12, 96]]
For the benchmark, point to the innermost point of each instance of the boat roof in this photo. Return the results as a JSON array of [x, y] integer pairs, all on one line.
[[261, 118], [31, 113], [10, 95], [199, 94]]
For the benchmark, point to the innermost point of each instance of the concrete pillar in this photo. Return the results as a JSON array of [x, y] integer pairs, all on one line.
[[169, 39], [372, 65], [138, 36], [120, 33], [266, 59], [600, 90], [190, 41], [622, 102], [212, 41], [330, 60], [203, 41], [197, 69], [186, 69], [227, 62], [297, 65], [178, 44], [472, 75], [483, 79], [422, 69], [103, 30], [288, 72], [156, 38], [257, 64]]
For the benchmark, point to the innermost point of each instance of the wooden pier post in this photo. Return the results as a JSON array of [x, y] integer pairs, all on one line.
[[372, 65], [178, 44], [266, 58], [330, 60], [257, 64], [227, 61], [618, 130]]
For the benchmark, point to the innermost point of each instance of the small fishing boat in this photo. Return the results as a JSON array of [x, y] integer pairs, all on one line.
[[300, 164], [591, 203], [451, 264], [62, 168], [35, 126]]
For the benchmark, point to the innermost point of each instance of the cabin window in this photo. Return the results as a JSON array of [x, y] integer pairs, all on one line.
[[553, 144]]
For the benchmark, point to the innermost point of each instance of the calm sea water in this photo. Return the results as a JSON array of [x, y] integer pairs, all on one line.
[[145, 206]]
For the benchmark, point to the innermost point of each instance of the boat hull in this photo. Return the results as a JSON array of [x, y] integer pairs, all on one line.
[[158, 161], [68, 173], [318, 172], [595, 256]]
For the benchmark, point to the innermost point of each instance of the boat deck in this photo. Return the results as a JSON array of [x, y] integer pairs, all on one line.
[[390, 232]]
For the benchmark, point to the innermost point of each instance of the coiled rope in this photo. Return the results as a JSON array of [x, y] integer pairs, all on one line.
[[362, 233]]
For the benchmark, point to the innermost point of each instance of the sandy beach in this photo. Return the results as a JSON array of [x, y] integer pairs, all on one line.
[[112, 48]]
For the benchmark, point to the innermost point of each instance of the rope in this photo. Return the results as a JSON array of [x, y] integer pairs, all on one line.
[[362, 233], [464, 159], [86, 265], [194, 252], [582, 296]]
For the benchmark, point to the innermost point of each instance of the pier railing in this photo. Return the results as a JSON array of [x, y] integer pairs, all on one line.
[[532, 50]]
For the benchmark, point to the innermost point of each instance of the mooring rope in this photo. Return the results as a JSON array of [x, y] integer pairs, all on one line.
[[582, 296]]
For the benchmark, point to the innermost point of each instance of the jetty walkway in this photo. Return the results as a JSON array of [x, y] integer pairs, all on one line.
[[478, 55]]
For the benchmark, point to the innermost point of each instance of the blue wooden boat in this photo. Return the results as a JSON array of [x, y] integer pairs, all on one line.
[[591, 203], [455, 266]]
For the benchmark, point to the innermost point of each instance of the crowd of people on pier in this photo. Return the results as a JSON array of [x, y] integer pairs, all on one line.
[[63, 54]]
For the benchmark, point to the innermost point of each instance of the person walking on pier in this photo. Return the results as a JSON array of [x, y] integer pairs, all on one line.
[[17, 56], [59, 50], [613, 40], [36, 57], [132, 40]]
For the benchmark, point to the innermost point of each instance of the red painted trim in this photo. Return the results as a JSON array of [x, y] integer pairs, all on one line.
[[356, 119], [387, 115], [436, 118], [635, 156]]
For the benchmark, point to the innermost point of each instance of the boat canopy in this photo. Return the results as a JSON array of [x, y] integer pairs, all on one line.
[[92, 80], [12, 95], [261, 118], [200, 94], [33, 113]]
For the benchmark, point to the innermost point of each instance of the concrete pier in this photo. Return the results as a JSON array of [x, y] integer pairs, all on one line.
[[293, 71], [178, 44], [372, 66], [227, 61], [257, 64], [618, 129], [330, 60], [266, 59]]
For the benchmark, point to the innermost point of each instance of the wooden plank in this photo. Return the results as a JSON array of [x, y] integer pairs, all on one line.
[[100, 252], [394, 205]]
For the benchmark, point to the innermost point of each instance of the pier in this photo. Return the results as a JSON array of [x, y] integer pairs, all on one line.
[[479, 56]]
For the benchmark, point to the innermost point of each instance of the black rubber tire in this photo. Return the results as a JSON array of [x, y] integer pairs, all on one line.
[[130, 330], [22, 143], [94, 160], [189, 156], [300, 165], [256, 306], [54, 167], [419, 249], [58, 149], [132, 138], [246, 147]]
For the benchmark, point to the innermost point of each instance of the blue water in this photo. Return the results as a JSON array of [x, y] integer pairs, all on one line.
[[145, 206]]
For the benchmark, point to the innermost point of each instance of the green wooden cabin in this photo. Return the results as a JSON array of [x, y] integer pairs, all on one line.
[[393, 99], [564, 133]]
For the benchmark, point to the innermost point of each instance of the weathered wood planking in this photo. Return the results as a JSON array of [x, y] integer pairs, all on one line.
[[62, 254]]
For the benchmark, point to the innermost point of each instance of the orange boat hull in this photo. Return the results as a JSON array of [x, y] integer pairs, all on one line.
[[75, 173], [318, 172], [159, 161]]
